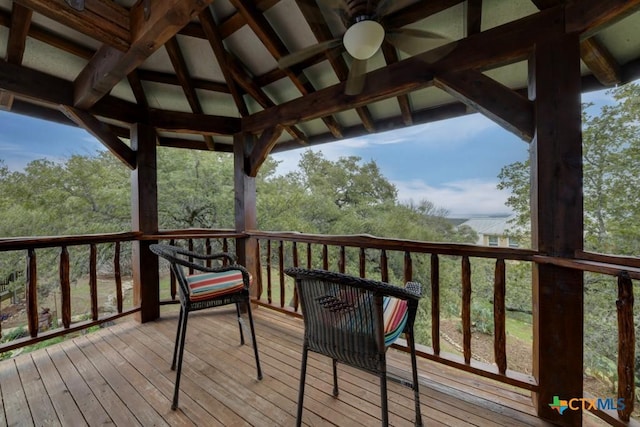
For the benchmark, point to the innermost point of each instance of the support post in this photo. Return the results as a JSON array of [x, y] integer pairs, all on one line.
[[144, 218], [245, 204], [557, 225]]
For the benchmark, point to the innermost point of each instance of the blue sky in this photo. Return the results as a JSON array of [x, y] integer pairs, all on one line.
[[453, 163]]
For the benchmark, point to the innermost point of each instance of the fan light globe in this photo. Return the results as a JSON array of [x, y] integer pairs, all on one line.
[[363, 39]]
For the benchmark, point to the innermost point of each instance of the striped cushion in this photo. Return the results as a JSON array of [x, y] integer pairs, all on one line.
[[209, 285], [395, 318]]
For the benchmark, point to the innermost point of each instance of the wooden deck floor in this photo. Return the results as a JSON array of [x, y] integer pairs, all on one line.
[[120, 376]]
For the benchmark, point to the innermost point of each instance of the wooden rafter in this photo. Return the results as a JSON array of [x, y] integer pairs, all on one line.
[[137, 89], [148, 32], [391, 57], [506, 107], [215, 41], [182, 72], [102, 132], [259, 24], [171, 79], [18, 30], [103, 20], [473, 17]]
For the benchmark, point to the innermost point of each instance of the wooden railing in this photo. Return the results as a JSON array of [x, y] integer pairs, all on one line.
[[390, 260], [31, 247]]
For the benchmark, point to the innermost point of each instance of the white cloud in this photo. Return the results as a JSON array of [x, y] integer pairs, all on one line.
[[460, 198]]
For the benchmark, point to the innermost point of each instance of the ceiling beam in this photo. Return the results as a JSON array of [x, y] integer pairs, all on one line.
[[191, 123], [504, 106], [103, 133], [149, 31], [103, 20], [510, 42]]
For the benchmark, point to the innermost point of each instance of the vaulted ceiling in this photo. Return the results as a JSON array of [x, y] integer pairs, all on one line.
[[201, 71]]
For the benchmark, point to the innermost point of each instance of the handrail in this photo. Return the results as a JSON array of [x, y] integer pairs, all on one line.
[[18, 243], [373, 242]]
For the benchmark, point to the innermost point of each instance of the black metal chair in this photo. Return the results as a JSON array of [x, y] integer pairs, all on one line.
[[207, 287], [353, 321]]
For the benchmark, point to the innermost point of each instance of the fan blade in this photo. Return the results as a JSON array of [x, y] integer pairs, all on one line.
[[414, 42], [356, 78], [383, 8], [306, 53]]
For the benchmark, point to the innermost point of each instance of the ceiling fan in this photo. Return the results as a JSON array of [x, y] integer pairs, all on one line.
[[365, 32]]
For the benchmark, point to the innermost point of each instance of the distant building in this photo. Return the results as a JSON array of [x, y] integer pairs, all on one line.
[[492, 230]]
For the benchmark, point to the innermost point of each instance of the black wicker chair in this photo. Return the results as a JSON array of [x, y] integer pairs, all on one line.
[[208, 287], [353, 321]]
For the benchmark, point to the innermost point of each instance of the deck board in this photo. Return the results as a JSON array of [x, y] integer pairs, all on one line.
[[121, 375]]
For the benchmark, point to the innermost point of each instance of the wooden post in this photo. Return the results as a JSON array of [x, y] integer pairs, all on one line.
[[245, 205], [144, 217], [557, 224]]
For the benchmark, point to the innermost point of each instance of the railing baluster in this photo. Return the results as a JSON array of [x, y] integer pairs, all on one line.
[[626, 345], [408, 267], [258, 270], [117, 274], [190, 246], [269, 271], [225, 248], [281, 271], [32, 293], [466, 309], [93, 280], [294, 250], [325, 257], [342, 260], [208, 251], [363, 263], [435, 303], [309, 261], [384, 266], [499, 321], [65, 289], [172, 278]]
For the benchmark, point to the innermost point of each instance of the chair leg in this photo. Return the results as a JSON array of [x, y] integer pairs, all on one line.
[[303, 373], [414, 368], [177, 344], [253, 338], [183, 335], [383, 397], [335, 378], [240, 323]]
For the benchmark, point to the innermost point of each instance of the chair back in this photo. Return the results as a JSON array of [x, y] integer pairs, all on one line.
[[343, 316]]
